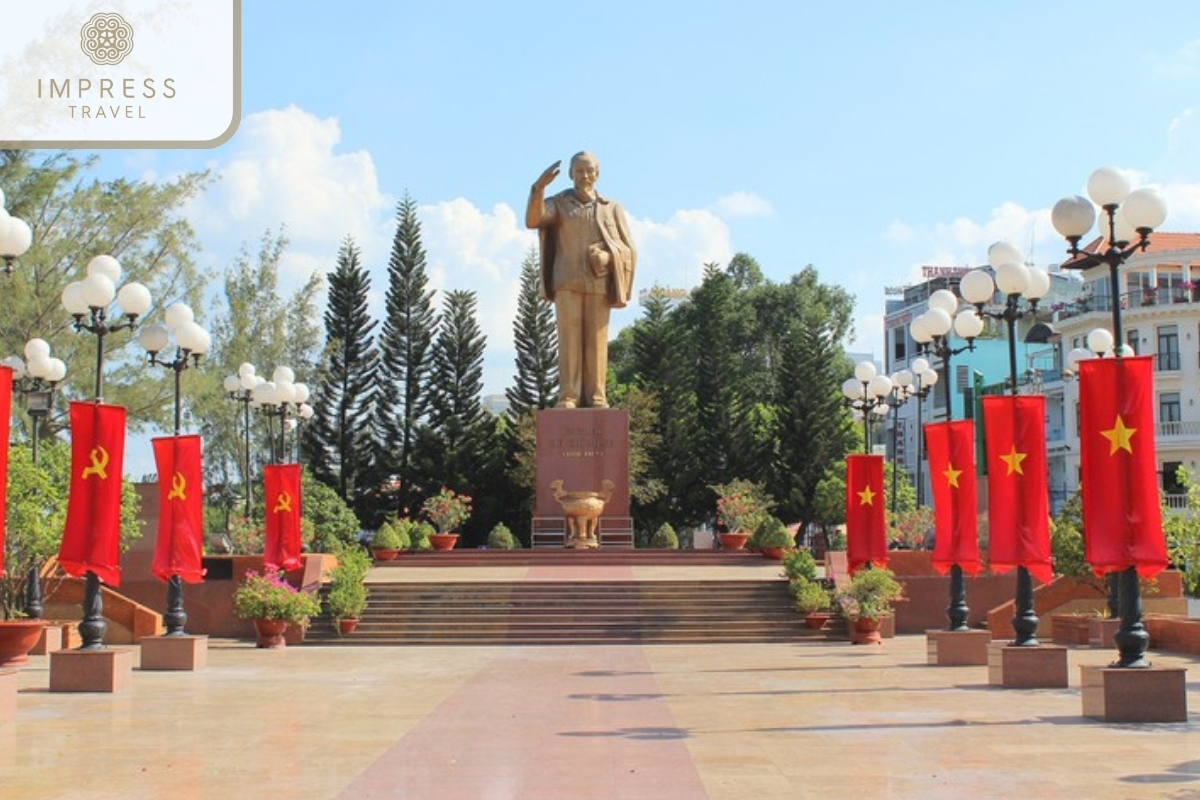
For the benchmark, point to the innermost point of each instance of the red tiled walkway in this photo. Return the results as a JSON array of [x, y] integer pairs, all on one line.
[[597, 727]]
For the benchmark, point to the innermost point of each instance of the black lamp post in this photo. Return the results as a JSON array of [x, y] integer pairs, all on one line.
[[931, 331], [240, 388], [87, 302], [36, 380], [192, 342], [15, 237], [1016, 282], [1127, 220], [866, 394], [924, 379]]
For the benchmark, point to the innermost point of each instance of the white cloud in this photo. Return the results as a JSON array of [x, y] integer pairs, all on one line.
[[744, 204]]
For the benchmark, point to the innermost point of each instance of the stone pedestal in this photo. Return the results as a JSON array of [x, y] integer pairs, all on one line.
[[50, 641], [581, 451], [109, 670], [1040, 667], [1155, 694], [8, 695], [957, 648], [175, 653], [1100, 632]]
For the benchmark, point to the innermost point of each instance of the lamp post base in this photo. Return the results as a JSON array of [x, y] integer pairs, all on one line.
[[1114, 694]]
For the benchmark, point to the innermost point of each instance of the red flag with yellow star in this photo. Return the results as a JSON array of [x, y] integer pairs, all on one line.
[[6, 376], [180, 509], [1122, 518], [282, 548], [866, 528], [951, 451], [92, 536], [1018, 500]]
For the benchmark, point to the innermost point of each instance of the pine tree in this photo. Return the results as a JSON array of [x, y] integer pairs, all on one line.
[[338, 442], [457, 446], [535, 385], [405, 357]]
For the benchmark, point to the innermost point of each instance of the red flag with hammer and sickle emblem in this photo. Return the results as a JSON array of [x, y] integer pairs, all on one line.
[[92, 537], [180, 509], [6, 376], [282, 548]]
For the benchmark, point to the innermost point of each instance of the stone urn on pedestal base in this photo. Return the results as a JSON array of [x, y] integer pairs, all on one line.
[[582, 510]]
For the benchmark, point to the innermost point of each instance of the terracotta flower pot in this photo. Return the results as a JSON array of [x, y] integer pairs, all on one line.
[[385, 554], [270, 633], [733, 541], [866, 631], [443, 541], [817, 619], [347, 625], [17, 638], [774, 553]]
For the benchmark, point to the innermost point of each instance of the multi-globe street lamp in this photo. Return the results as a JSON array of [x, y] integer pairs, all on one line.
[[924, 379], [284, 398], [1023, 287], [35, 379], [931, 331], [1127, 219], [240, 388], [87, 301], [191, 342], [15, 237], [867, 395]]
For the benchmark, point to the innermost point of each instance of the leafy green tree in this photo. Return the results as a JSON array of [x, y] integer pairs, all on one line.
[[74, 217], [406, 359], [1182, 531], [535, 385], [334, 523], [338, 441], [253, 323]]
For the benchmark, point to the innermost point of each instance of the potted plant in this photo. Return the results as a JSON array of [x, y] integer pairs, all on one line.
[[812, 600], [272, 603], [867, 599], [501, 538], [773, 539], [800, 564], [347, 597], [447, 510], [665, 538], [741, 506], [389, 540]]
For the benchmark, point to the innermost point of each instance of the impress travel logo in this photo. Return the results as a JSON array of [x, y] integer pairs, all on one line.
[[120, 73]]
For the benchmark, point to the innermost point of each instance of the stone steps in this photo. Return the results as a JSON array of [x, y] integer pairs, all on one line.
[[575, 612]]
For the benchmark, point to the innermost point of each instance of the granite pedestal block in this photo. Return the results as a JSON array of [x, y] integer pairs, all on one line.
[[1101, 632], [957, 648], [175, 653], [1039, 667], [109, 670], [50, 641], [1154, 694]]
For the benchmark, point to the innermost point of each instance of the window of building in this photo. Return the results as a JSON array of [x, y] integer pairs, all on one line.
[[1168, 347], [1131, 339], [1169, 409], [899, 344], [1170, 478]]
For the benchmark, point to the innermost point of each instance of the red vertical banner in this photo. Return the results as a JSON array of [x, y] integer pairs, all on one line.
[[1122, 518], [866, 527], [951, 451], [1018, 498], [178, 550], [6, 377], [92, 535], [282, 493]]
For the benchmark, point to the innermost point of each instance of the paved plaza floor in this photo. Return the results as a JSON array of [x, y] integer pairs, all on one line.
[[819, 720]]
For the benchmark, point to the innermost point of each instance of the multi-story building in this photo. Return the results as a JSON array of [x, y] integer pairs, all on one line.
[[1160, 316], [971, 370]]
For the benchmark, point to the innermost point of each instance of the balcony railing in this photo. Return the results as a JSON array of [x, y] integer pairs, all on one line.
[[1190, 428], [1137, 298]]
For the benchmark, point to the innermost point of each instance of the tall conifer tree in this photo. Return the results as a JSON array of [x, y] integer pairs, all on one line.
[[405, 357], [536, 340], [338, 441]]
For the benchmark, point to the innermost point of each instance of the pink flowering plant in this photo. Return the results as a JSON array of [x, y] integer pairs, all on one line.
[[267, 595], [447, 510], [742, 505]]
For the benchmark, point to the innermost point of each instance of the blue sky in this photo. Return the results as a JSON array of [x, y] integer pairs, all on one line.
[[866, 139]]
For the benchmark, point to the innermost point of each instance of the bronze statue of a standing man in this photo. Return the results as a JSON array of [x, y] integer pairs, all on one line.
[[587, 260]]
